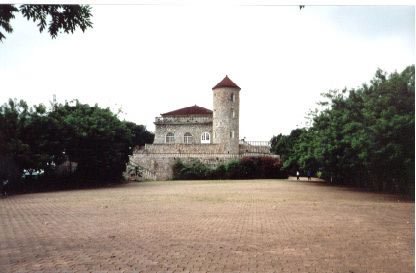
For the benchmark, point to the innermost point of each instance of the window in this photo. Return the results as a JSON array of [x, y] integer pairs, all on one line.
[[232, 98], [170, 137], [232, 113], [187, 138], [205, 138], [232, 134]]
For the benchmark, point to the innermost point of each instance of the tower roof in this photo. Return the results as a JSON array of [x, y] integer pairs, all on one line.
[[192, 110], [226, 82]]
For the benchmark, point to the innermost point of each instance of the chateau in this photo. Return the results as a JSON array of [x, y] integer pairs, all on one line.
[[194, 132]]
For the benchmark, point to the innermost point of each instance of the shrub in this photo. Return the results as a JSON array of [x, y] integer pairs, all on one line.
[[245, 168], [193, 170]]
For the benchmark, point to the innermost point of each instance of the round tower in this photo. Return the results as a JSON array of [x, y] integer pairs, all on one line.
[[226, 115]]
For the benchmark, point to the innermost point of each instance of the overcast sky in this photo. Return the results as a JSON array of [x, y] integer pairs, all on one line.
[[151, 59]]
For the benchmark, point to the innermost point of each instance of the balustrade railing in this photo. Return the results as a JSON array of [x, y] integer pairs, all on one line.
[[255, 143], [191, 119]]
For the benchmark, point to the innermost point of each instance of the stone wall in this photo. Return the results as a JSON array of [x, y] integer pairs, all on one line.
[[155, 166], [160, 166]]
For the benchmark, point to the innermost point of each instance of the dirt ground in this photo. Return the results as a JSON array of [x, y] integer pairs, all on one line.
[[208, 226]]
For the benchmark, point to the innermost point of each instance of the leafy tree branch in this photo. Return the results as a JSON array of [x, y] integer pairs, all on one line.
[[54, 18]]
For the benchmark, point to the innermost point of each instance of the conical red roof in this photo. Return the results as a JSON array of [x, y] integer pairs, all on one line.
[[226, 82], [193, 110]]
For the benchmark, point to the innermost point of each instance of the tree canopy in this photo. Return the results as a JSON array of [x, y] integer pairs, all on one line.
[[56, 18], [36, 138], [364, 136]]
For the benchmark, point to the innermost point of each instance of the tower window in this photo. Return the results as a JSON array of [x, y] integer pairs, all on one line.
[[232, 135], [232, 98], [188, 138], [232, 113], [205, 138], [170, 137]]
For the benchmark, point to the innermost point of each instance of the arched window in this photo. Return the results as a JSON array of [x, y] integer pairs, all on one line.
[[187, 138], [170, 138], [205, 138]]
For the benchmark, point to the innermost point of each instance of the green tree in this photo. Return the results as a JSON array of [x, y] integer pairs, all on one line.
[[94, 138], [27, 138], [56, 18], [14, 151], [37, 138], [283, 145], [364, 136], [140, 135]]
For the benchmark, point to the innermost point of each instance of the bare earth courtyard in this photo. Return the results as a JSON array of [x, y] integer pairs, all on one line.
[[208, 226]]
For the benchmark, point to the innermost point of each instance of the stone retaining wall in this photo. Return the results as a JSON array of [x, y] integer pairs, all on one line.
[[159, 166], [155, 161]]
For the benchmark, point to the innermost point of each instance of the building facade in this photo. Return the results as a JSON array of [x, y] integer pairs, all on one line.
[[194, 132], [189, 125]]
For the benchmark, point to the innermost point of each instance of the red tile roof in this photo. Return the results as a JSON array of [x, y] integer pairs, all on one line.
[[193, 110], [226, 82]]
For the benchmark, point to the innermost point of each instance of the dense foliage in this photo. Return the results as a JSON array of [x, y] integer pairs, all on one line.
[[56, 18], [363, 137], [283, 146], [245, 168], [36, 139]]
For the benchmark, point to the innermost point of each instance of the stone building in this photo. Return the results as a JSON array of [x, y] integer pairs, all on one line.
[[189, 125], [194, 132]]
